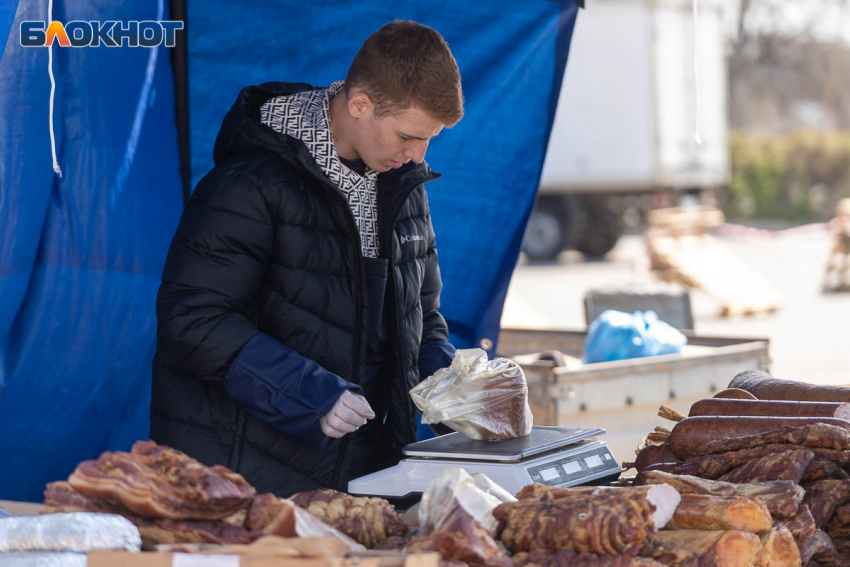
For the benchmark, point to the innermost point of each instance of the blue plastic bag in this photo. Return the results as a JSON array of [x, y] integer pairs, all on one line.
[[615, 335]]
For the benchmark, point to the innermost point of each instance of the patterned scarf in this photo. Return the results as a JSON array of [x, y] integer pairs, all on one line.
[[305, 116]]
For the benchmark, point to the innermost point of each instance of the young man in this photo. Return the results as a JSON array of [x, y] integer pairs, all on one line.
[[300, 297]]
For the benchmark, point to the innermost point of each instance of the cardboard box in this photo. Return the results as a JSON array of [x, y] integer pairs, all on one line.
[[154, 559], [20, 508]]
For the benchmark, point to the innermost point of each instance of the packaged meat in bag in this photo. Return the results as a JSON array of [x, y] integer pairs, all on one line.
[[80, 532], [454, 490], [43, 559], [462, 541], [483, 482], [282, 517], [482, 399], [368, 521]]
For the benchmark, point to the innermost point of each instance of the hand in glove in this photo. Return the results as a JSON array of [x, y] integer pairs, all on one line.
[[349, 413]]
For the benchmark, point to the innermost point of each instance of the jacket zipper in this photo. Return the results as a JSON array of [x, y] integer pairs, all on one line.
[[391, 281], [358, 291], [391, 275]]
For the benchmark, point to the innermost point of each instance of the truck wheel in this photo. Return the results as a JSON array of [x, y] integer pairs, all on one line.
[[547, 232], [600, 230]]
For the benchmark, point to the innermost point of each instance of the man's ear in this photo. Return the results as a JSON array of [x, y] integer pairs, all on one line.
[[360, 105]]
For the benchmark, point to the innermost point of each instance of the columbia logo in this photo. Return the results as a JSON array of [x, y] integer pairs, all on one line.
[[411, 238]]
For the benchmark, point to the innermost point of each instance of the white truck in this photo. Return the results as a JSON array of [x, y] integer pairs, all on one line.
[[628, 111]]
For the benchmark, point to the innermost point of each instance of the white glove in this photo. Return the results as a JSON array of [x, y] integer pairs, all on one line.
[[349, 413]]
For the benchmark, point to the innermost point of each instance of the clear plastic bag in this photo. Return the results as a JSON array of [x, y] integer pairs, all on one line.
[[484, 482], [480, 398], [308, 525], [453, 491], [79, 531], [43, 559]]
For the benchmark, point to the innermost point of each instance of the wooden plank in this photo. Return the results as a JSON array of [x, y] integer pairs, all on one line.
[[158, 559], [702, 262], [685, 219], [526, 340]]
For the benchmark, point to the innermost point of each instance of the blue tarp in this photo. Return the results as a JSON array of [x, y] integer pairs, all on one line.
[[7, 16], [511, 55], [81, 255]]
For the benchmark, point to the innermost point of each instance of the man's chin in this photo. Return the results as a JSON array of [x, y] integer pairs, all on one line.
[[380, 167], [384, 166]]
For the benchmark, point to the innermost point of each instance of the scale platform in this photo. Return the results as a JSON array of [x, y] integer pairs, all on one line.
[[557, 456]]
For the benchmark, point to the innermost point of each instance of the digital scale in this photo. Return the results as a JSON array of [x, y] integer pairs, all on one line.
[[556, 456]]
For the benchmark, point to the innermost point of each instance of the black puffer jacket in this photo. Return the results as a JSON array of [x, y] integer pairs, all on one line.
[[261, 312]]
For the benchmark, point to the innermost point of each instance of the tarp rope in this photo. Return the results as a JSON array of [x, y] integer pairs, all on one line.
[[56, 167]]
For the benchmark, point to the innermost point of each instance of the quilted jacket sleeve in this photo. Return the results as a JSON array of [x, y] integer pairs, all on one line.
[[214, 269], [435, 352]]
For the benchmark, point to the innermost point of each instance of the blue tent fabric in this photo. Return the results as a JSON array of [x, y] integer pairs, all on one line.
[[81, 255], [491, 320], [511, 55], [7, 16]]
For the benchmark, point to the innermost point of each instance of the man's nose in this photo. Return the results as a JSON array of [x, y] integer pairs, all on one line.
[[416, 151]]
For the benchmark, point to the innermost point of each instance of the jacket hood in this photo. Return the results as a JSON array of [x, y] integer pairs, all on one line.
[[241, 131]]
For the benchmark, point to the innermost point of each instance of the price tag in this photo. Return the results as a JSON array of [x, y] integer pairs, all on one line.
[[192, 560]]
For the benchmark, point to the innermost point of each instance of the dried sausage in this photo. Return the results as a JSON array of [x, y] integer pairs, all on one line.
[[652, 454], [735, 394], [765, 387], [692, 432], [767, 408]]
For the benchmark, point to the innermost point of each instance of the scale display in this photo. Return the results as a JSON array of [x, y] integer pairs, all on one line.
[[567, 470]]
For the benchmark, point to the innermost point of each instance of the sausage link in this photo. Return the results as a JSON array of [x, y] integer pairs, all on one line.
[[692, 432], [765, 387], [768, 408], [652, 454], [735, 394]]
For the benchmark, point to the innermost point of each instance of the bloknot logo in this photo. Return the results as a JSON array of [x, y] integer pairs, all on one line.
[[79, 33]]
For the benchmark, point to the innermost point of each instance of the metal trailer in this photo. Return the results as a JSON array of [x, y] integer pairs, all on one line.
[[624, 396], [624, 127]]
